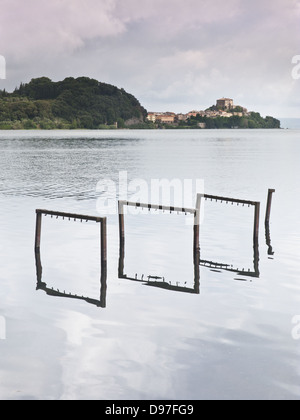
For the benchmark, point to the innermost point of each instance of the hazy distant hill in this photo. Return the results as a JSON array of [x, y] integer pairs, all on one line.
[[290, 123], [72, 103]]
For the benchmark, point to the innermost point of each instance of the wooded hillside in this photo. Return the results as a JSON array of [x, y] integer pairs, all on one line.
[[72, 103]]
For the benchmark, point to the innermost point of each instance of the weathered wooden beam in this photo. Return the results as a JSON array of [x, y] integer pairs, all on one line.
[[197, 230], [229, 200], [38, 231], [70, 215], [157, 207], [256, 223], [103, 279], [269, 205]]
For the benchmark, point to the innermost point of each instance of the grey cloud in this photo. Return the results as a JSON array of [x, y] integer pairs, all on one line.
[[55, 26], [170, 54]]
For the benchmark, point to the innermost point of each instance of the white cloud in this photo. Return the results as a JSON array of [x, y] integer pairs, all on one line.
[[54, 26], [178, 12], [163, 52]]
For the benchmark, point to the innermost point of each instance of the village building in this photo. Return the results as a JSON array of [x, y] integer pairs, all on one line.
[[193, 114], [151, 117], [182, 117], [167, 118], [225, 114]]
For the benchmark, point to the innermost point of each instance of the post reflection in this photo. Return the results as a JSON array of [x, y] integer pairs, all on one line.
[[255, 273], [160, 282], [268, 241], [267, 222], [57, 293], [256, 259]]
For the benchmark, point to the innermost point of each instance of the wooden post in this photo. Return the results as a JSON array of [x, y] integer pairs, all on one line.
[[256, 259], [197, 230], [197, 278], [121, 260], [122, 239], [38, 231], [121, 222], [103, 233], [39, 268], [198, 209], [103, 229], [269, 205], [256, 223]]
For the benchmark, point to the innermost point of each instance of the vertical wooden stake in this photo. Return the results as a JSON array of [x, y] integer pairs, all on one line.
[[256, 259], [197, 230], [121, 222], [256, 223], [197, 278], [121, 260], [104, 243], [269, 206], [38, 231], [103, 233], [39, 269], [122, 240], [198, 209]]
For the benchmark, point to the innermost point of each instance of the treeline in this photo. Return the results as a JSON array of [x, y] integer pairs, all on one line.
[[72, 103], [254, 120]]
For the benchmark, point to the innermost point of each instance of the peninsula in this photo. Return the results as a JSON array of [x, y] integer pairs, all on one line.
[[222, 115], [85, 103]]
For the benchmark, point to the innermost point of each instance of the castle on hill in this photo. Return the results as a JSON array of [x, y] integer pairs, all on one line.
[[224, 108]]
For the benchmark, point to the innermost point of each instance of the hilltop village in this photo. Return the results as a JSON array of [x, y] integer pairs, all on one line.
[[225, 114], [224, 108]]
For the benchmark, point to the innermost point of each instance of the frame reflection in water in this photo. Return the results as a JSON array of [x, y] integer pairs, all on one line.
[[160, 281], [57, 293], [227, 267], [242, 272], [103, 255]]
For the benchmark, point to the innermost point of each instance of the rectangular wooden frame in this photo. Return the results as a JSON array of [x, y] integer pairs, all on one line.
[[71, 216], [226, 267], [171, 209]]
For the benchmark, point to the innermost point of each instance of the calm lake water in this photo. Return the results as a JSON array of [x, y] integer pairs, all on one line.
[[235, 339]]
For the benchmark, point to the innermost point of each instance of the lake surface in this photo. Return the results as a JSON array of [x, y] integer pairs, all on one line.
[[228, 334]]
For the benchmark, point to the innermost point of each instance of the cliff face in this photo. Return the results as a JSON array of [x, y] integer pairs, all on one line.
[[71, 103]]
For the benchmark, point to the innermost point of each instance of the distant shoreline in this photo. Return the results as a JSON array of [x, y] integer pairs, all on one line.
[[85, 103], [143, 129]]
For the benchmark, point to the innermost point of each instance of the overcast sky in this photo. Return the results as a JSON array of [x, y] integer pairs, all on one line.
[[173, 55]]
